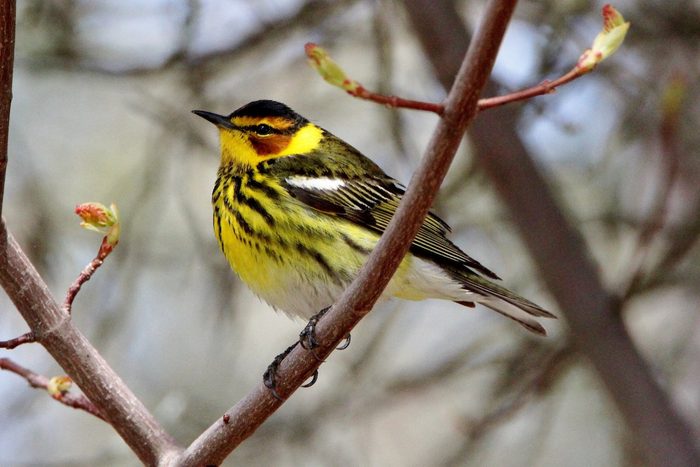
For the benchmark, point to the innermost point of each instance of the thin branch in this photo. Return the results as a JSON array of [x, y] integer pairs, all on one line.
[[395, 101], [461, 107], [561, 255], [82, 278], [35, 380], [545, 87], [26, 338], [334, 74], [7, 58]]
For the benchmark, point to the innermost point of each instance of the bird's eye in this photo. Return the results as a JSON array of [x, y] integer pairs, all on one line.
[[263, 129]]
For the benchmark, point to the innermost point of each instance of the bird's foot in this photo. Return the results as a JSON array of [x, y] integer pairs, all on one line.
[[270, 375], [307, 337]]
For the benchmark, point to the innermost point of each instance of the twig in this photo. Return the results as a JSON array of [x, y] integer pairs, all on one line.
[[26, 338], [83, 277], [545, 87], [35, 380], [395, 101], [246, 416]]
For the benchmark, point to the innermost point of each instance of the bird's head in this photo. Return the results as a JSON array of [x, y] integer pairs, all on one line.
[[262, 130]]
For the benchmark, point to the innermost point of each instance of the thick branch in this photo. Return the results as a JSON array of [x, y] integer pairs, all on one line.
[[7, 56], [461, 106], [561, 256], [53, 328]]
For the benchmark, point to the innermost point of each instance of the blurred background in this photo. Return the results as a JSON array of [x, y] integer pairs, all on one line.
[[102, 96]]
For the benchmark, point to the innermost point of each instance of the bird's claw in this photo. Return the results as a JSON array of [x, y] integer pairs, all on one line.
[[270, 375], [307, 337]]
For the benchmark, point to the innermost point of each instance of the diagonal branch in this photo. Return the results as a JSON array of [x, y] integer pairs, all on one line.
[[461, 107], [53, 328], [561, 255]]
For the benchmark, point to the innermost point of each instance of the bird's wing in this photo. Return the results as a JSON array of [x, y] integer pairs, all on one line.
[[371, 202]]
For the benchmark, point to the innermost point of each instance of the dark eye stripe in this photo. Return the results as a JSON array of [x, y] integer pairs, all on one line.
[[262, 129], [269, 130]]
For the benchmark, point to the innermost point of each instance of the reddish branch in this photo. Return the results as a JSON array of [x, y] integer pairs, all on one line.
[[77, 401], [545, 87], [395, 101], [84, 276], [26, 338]]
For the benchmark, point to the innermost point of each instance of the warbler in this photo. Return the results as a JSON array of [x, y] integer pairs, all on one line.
[[297, 211]]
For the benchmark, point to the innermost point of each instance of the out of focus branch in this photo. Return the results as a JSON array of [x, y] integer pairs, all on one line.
[[669, 163], [461, 107], [560, 254]]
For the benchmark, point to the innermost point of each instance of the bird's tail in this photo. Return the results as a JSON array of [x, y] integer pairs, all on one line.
[[505, 302]]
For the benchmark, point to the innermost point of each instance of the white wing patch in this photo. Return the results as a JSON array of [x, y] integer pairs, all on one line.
[[316, 183]]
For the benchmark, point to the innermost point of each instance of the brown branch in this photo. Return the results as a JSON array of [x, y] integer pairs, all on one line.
[[561, 255], [26, 338], [7, 58], [80, 360], [246, 416], [35, 380], [83, 277], [545, 87], [396, 102], [355, 89]]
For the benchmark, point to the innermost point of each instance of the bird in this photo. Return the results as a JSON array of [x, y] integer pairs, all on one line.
[[297, 211]]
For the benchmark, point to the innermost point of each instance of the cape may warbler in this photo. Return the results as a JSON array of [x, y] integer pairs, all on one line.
[[297, 211]]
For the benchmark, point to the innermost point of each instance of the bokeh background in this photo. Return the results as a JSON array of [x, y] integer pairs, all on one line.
[[102, 96]]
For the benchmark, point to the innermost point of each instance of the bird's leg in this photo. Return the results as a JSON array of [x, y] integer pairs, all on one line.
[[307, 337], [270, 375]]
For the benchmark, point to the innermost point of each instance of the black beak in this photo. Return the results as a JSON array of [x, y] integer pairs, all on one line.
[[216, 119]]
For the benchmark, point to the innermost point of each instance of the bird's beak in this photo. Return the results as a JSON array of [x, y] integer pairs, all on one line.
[[216, 119]]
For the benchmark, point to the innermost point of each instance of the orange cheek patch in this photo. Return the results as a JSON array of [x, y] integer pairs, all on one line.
[[272, 144]]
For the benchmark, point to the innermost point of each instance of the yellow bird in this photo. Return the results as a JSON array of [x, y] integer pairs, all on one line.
[[297, 211]]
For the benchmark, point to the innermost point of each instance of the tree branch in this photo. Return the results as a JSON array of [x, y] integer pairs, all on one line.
[[35, 380], [26, 338], [561, 256], [53, 328], [7, 58], [461, 107]]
